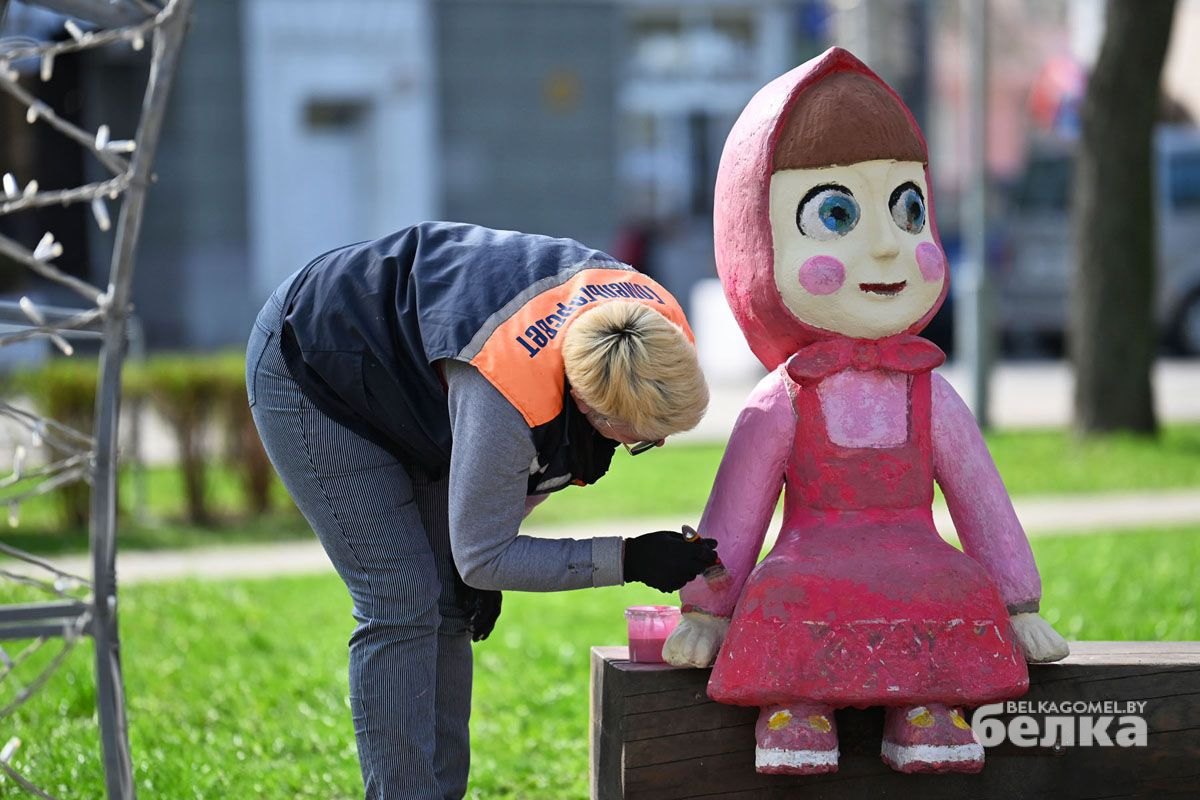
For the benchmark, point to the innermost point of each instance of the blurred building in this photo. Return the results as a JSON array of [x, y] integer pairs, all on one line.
[[600, 120], [300, 125]]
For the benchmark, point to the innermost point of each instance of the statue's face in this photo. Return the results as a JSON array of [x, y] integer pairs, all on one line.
[[854, 249]]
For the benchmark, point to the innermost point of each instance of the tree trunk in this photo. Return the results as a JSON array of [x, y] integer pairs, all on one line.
[[250, 460], [76, 501], [189, 432], [1113, 333]]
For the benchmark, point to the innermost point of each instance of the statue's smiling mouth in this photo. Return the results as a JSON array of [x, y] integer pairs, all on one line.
[[884, 289]]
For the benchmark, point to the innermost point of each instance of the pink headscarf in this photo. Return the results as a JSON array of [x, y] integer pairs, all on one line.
[[741, 217]]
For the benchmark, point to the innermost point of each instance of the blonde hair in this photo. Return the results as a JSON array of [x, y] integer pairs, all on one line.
[[632, 364]]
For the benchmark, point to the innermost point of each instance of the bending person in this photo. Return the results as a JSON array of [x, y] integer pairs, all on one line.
[[418, 394]]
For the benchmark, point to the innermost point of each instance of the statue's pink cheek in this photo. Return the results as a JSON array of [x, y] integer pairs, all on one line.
[[822, 275], [932, 262]]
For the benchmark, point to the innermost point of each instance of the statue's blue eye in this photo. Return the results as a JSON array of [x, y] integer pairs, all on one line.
[[908, 207], [827, 212], [838, 213]]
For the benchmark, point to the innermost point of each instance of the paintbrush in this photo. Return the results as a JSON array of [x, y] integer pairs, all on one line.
[[716, 576]]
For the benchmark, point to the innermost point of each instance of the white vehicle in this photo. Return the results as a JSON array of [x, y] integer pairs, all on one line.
[[1034, 285]]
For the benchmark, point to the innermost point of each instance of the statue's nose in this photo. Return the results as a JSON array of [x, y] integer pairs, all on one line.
[[888, 250], [884, 242]]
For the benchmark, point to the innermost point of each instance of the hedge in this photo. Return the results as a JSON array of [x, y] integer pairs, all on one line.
[[197, 395], [64, 390]]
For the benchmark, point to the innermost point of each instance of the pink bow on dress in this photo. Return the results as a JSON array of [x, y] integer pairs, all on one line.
[[900, 353]]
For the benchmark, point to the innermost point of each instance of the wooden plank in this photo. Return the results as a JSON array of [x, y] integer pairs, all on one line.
[[608, 698], [672, 743], [1132, 653]]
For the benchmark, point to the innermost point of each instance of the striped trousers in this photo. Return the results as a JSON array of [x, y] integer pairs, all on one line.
[[388, 538]]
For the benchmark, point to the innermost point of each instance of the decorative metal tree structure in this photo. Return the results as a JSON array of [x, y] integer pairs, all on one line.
[[73, 607]]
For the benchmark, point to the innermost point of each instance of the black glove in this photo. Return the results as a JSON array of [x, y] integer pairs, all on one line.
[[666, 560], [483, 609]]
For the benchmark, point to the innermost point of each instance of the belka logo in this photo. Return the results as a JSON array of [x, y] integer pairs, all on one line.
[[1074, 723], [538, 334]]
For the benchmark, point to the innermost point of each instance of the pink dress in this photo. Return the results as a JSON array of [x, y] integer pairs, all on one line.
[[861, 602]]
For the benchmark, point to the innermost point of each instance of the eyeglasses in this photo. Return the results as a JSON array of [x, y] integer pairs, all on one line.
[[637, 448]]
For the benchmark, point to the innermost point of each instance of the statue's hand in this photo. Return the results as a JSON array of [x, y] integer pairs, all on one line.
[[696, 640], [1039, 642]]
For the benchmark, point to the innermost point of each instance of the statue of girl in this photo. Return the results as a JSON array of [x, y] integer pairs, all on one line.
[[830, 260]]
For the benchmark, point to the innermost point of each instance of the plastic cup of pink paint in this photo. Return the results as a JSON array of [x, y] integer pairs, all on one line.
[[649, 627]]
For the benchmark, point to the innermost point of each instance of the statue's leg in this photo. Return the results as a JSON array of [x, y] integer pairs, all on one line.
[[930, 738], [796, 739]]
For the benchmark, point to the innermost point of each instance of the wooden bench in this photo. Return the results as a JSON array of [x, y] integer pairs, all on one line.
[[656, 735]]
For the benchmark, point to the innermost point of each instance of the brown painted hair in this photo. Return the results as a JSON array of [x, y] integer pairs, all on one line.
[[844, 119]]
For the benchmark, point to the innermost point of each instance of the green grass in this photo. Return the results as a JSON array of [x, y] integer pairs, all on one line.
[[1136, 585], [164, 534], [676, 480], [160, 490], [672, 481], [40, 528], [238, 689], [1053, 462]]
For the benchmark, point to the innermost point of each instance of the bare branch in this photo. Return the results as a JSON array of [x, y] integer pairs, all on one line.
[[60, 479], [21, 780], [18, 253], [66, 197], [21, 555], [69, 640], [72, 324], [45, 470], [128, 32], [56, 434], [115, 164]]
